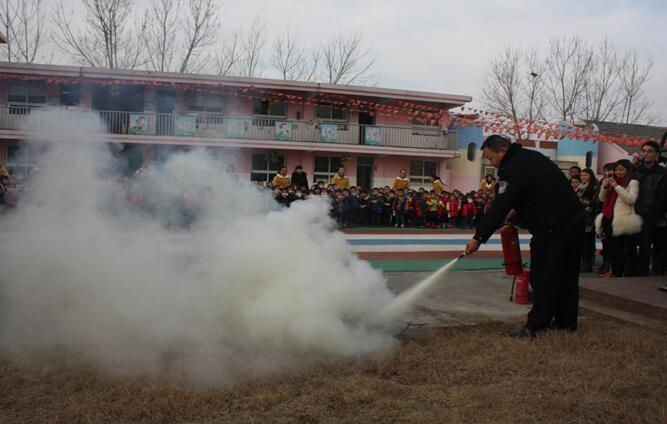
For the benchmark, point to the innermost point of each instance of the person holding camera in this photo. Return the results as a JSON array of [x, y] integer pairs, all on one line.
[[618, 221]]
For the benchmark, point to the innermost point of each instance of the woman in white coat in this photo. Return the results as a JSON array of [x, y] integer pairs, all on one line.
[[618, 221]]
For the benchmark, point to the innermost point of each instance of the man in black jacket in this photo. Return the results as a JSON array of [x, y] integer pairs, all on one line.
[[534, 186], [650, 204], [299, 178]]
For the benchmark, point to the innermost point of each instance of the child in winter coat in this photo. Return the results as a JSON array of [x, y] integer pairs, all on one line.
[[399, 207], [468, 212]]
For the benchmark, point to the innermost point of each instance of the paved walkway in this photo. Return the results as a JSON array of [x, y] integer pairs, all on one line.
[[459, 298], [465, 298]]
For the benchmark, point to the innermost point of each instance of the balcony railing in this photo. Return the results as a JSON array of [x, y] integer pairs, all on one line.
[[210, 126]]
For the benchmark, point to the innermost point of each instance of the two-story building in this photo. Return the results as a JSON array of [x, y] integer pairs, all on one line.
[[262, 124]]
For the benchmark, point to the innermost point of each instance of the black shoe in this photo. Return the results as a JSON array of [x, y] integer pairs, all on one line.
[[526, 332], [664, 288]]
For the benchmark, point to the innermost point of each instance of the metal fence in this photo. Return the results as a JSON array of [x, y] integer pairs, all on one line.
[[210, 126]]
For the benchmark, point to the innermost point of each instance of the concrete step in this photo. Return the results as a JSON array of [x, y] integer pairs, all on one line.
[[622, 315], [632, 299]]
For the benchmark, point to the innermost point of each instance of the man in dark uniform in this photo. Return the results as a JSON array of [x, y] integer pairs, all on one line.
[[534, 186]]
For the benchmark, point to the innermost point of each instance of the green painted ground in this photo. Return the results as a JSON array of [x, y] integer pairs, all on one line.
[[430, 265]]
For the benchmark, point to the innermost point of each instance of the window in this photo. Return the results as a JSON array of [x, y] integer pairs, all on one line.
[[589, 159], [22, 96], [21, 158], [329, 112], [265, 166], [472, 152], [421, 171], [427, 128], [268, 108], [326, 167], [69, 94], [27, 93], [204, 103]]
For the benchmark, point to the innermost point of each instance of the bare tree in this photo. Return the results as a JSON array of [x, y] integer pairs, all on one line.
[[601, 95], [534, 86], [347, 59], [569, 61], [229, 56], [106, 39], [200, 27], [7, 18], [252, 45], [502, 89], [634, 75], [162, 19], [514, 86], [23, 22], [288, 56], [176, 35]]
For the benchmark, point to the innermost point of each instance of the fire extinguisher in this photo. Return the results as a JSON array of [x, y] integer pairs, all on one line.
[[521, 293], [509, 237]]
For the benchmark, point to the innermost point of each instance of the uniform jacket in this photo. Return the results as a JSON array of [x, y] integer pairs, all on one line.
[[625, 220], [281, 181], [300, 179], [652, 190], [438, 186], [401, 183], [340, 182], [537, 189]]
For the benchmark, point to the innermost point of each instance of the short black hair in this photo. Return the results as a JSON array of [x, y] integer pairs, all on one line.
[[298, 167], [578, 168], [653, 144], [496, 142]]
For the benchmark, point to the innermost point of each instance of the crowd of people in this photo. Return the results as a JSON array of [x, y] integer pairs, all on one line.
[[397, 205], [627, 210]]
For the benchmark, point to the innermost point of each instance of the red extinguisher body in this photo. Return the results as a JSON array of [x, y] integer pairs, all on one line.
[[522, 289], [509, 236]]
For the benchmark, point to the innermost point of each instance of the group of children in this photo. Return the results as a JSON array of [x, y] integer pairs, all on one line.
[[387, 207]]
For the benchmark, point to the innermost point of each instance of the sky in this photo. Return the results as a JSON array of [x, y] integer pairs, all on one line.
[[444, 46]]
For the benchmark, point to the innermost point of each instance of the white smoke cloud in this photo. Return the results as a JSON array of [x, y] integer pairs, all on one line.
[[251, 289]]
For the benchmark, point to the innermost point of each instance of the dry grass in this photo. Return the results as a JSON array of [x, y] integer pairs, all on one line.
[[607, 372]]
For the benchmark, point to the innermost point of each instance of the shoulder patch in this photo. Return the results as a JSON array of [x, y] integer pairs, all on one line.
[[502, 186]]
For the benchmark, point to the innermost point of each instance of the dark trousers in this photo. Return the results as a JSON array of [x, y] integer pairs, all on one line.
[[623, 258], [645, 241], [554, 275], [588, 248], [620, 249], [659, 258]]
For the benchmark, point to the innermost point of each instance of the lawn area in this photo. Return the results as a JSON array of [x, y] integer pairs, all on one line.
[[609, 371]]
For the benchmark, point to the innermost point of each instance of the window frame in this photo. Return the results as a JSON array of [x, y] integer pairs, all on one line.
[[330, 117], [268, 173], [328, 175], [425, 178]]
